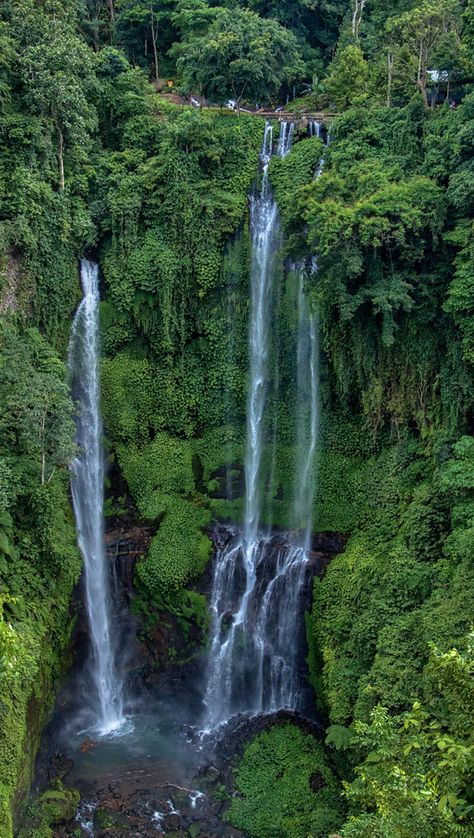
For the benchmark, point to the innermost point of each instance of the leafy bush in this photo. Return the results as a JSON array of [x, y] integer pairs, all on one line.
[[179, 552], [285, 787]]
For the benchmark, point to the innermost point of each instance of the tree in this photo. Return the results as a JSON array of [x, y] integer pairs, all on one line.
[[6, 62], [144, 28], [58, 75], [36, 408], [416, 778], [357, 13], [97, 17], [239, 55], [423, 31], [348, 76]]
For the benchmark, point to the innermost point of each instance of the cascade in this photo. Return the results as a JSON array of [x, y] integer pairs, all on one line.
[[258, 579], [315, 128], [307, 414], [87, 482], [307, 408]]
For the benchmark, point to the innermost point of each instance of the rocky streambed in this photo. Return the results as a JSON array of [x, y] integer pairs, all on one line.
[[159, 775]]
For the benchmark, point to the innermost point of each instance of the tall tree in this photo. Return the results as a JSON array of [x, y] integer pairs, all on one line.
[[58, 75], [145, 29], [96, 20], [422, 32], [239, 56]]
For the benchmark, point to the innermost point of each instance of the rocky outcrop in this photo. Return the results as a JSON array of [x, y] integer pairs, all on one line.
[[126, 542]]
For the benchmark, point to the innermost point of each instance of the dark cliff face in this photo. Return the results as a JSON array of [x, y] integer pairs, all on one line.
[[169, 655], [164, 654]]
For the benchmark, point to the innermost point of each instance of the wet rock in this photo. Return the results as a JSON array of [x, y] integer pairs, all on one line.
[[172, 821], [106, 818], [59, 767], [241, 729]]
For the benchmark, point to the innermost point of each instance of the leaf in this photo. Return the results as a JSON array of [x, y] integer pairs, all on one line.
[[5, 546], [373, 757], [6, 520]]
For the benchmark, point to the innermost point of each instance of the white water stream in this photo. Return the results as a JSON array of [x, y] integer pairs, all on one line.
[[87, 485], [258, 579]]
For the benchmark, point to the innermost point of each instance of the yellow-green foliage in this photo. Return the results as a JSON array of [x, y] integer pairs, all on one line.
[[163, 466], [401, 583], [53, 807], [34, 630], [39, 561], [285, 787], [179, 551], [129, 397], [161, 480], [219, 447], [288, 175]]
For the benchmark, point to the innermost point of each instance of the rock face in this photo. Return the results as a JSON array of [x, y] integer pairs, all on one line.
[[126, 542], [257, 661], [236, 734]]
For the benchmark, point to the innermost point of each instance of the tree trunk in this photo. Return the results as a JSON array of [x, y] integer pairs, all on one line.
[[110, 4], [421, 78], [95, 35], [154, 36], [389, 78], [357, 17]]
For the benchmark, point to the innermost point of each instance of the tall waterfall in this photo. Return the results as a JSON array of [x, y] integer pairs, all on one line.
[[307, 395], [307, 414], [87, 483], [256, 621]]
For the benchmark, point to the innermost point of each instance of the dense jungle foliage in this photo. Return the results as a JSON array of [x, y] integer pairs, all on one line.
[[97, 157]]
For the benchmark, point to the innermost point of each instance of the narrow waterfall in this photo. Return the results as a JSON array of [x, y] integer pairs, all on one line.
[[307, 395], [307, 415], [257, 578], [265, 230], [316, 130], [87, 484]]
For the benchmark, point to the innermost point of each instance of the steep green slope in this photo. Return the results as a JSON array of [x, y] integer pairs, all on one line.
[[93, 158]]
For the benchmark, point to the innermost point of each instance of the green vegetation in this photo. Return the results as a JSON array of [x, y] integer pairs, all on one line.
[[239, 55], [388, 227], [39, 563], [285, 787], [54, 806], [94, 156]]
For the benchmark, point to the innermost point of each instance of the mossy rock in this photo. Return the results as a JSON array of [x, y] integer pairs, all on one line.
[[53, 807], [105, 818]]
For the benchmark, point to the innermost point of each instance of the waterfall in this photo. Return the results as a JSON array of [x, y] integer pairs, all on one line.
[[307, 408], [87, 482], [265, 231], [307, 414], [258, 579], [315, 130]]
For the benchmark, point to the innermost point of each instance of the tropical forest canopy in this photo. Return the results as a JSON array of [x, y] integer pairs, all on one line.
[[101, 152]]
